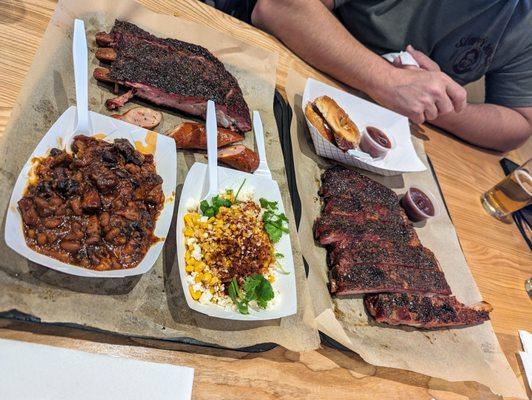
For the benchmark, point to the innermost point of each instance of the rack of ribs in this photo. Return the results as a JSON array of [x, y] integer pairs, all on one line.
[[170, 73], [374, 250], [424, 311]]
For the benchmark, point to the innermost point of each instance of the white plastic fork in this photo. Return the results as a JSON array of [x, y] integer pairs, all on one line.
[[258, 129], [212, 151], [80, 59]]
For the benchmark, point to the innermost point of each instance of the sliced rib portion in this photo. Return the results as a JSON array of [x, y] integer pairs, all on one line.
[[376, 278], [424, 311], [342, 182], [388, 252], [172, 73], [330, 229], [359, 212]]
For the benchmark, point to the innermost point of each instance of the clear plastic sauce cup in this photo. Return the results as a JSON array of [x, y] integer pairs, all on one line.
[[375, 142]]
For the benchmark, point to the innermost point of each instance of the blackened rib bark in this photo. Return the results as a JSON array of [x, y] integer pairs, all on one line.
[[176, 74], [376, 278], [347, 183], [354, 251], [424, 311], [359, 211], [330, 229]]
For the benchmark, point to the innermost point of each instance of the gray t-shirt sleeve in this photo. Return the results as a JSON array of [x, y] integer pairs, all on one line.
[[511, 85]]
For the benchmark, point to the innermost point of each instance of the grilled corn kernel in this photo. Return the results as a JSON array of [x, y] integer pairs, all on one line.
[[196, 294], [214, 280], [199, 267], [189, 232], [189, 268], [271, 278], [207, 276], [199, 277]]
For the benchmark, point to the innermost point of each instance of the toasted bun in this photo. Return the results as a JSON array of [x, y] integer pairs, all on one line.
[[346, 133], [317, 121]]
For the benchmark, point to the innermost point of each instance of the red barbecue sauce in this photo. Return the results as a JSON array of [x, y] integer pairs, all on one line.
[[417, 205], [379, 136]]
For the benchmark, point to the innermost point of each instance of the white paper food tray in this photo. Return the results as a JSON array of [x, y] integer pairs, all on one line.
[[403, 158], [108, 128], [284, 286]]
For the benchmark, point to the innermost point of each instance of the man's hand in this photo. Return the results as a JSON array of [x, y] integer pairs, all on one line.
[[422, 94], [488, 125], [423, 61]]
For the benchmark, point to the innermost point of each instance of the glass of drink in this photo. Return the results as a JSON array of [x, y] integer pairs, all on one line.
[[511, 194]]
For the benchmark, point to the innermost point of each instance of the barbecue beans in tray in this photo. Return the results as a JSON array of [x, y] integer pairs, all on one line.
[[95, 208]]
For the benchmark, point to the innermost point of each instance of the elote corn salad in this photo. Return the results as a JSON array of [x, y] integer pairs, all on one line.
[[230, 257]]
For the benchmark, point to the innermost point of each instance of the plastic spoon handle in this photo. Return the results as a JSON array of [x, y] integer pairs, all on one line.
[[259, 140], [212, 148], [80, 58]]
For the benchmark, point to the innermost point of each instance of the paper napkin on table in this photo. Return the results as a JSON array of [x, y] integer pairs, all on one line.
[[526, 355], [405, 57], [35, 371]]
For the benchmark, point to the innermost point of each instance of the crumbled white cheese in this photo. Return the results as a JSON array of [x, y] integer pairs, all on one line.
[[192, 204], [196, 253], [191, 241], [204, 218], [205, 297], [246, 193]]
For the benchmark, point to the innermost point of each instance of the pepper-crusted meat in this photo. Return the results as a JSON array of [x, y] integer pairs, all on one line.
[[354, 251], [96, 207], [376, 278], [330, 229], [347, 183], [373, 250], [171, 73], [424, 311]]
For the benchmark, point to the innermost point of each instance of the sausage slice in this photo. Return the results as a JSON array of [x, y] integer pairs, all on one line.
[[239, 157], [192, 135], [141, 116]]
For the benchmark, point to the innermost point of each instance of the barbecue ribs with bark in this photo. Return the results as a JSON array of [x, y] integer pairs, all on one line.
[[377, 278], [374, 250], [388, 252], [170, 73], [424, 312]]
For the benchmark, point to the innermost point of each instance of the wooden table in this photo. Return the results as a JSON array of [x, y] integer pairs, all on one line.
[[498, 256]]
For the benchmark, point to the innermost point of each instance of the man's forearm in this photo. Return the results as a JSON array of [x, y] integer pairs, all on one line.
[[488, 125], [309, 29]]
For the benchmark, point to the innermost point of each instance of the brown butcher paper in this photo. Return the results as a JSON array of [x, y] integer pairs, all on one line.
[[151, 305], [462, 354]]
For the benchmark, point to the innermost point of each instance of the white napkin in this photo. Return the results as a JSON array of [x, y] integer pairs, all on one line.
[[526, 355], [35, 371], [405, 57]]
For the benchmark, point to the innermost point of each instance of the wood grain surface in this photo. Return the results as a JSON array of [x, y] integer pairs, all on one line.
[[497, 254]]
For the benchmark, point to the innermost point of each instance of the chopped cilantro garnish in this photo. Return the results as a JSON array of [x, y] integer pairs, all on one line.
[[211, 210], [274, 221], [239, 189], [256, 288]]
